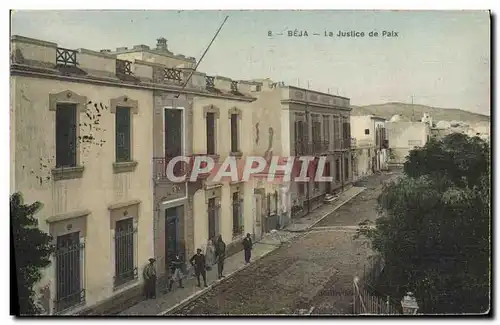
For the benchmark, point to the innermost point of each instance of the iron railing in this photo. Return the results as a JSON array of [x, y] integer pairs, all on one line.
[[311, 147], [123, 67], [366, 300], [209, 83], [66, 57], [160, 165], [125, 252], [171, 74], [69, 257]]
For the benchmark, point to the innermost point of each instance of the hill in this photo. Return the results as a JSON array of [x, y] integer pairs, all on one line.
[[408, 110]]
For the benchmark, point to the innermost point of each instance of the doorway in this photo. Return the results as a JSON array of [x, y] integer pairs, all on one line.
[[257, 216], [172, 235], [213, 219]]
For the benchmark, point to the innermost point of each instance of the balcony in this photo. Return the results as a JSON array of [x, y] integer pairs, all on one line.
[[124, 70], [65, 57], [171, 75], [66, 62], [303, 148], [160, 164], [342, 144], [210, 84], [234, 89]]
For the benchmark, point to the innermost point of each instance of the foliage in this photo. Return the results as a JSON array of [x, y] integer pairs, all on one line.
[[434, 226], [32, 249]]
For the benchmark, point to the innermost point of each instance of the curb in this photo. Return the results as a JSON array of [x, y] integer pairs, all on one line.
[[213, 285], [330, 212]]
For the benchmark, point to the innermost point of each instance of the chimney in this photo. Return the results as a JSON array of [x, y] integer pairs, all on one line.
[[161, 44]]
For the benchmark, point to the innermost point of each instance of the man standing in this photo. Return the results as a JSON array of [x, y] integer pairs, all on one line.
[[149, 274], [175, 268], [198, 262], [220, 255], [247, 247]]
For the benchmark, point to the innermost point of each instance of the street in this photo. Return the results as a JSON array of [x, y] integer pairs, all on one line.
[[315, 270]]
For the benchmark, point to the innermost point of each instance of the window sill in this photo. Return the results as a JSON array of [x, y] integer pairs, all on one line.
[[236, 154], [62, 173], [124, 166]]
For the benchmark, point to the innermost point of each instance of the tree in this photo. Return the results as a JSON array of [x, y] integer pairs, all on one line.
[[434, 226], [32, 250]]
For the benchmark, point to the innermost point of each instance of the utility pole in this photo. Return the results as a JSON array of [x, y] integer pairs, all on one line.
[[202, 56]]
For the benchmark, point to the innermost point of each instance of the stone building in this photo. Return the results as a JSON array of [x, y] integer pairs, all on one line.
[[403, 137], [92, 133], [369, 145], [81, 144], [292, 121]]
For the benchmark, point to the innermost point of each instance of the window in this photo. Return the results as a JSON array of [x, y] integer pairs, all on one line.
[[346, 128], [299, 138], [234, 133], [346, 167], [326, 128], [173, 137], [237, 215], [258, 88], [210, 133], [66, 146], [125, 269], [122, 134], [69, 277], [367, 131], [337, 170]]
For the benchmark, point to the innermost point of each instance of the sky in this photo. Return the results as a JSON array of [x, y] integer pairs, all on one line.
[[441, 58]]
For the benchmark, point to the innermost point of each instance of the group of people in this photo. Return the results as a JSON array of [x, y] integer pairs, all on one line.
[[215, 254]]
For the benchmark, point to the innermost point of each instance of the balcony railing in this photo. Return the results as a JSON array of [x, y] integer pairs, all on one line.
[[180, 169], [160, 165], [234, 88], [171, 74], [210, 82], [123, 67], [311, 148], [65, 57]]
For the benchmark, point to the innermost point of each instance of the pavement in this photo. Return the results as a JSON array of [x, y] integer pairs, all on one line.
[[179, 297]]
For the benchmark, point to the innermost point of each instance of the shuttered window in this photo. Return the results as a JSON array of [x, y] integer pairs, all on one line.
[[210, 133], [66, 144], [122, 134], [234, 133]]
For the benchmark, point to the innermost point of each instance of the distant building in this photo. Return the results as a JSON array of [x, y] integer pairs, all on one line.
[[292, 121], [405, 136], [369, 145]]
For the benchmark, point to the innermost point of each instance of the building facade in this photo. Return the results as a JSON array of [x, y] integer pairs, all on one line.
[[208, 117], [404, 137], [303, 123], [81, 144], [119, 118]]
